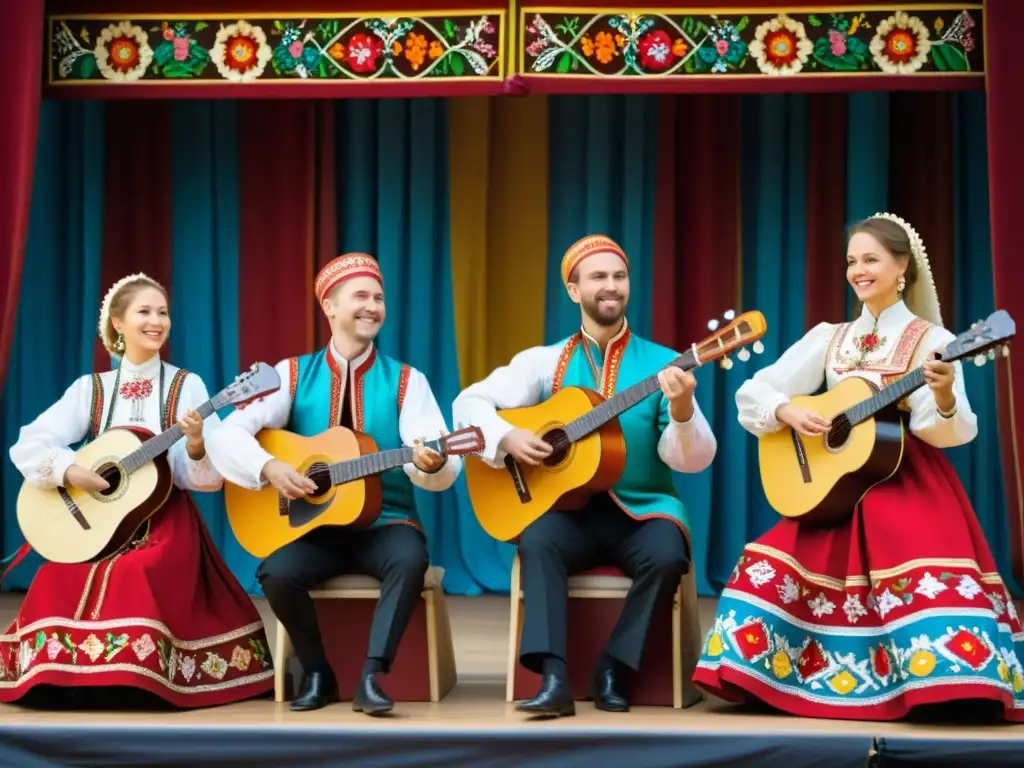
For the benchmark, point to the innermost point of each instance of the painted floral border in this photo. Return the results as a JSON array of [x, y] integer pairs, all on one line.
[[658, 44], [337, 49]]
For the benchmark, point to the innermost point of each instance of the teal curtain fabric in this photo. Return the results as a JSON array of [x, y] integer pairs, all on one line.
[[601, 180], [58, 313]]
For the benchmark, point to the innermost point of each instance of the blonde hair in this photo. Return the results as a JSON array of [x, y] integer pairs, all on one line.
[[116, 303]]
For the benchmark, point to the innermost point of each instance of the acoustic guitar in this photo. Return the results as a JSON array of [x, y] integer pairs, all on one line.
[[588, 449], [69, 525], [346, 467], [819, 480]]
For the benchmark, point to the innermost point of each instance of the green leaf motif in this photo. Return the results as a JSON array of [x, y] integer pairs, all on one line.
[[278, 25], [938, 60], [178, 70], [953, 58], [564, 62], [449, 29], [813, 20], [200, 26], [163, 53], [87, 66], [458, 64], [743, 24], [40, 640]]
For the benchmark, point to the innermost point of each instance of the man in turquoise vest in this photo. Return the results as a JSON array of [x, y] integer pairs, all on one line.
[[641, 526], [351, 384]]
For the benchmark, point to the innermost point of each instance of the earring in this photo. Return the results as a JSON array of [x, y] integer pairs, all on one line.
[[119, 344], [901, 284]]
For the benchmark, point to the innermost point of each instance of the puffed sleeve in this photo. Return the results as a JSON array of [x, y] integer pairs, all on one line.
[[955, 428], [685, 446], [42, 454], [199, 475], [799, 371]]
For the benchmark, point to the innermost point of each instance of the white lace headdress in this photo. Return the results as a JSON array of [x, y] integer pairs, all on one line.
[[921, 297], [104, 324]]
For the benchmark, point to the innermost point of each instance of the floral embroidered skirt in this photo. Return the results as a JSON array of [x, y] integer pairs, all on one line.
[[899, 606], [166, 616]]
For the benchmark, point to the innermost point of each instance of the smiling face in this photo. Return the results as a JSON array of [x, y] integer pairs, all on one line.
[[873, 271], [140, 313], [356, 308], [600, 285]]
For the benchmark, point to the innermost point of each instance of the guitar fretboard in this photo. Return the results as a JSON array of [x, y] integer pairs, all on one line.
[[371, 464], [157, 444], [597, 417], [886, 397]]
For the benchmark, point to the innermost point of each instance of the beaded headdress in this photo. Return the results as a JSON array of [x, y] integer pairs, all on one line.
[[921, 297]]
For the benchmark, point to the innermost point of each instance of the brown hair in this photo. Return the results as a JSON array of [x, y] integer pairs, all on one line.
[[119, 304], [893, 238]]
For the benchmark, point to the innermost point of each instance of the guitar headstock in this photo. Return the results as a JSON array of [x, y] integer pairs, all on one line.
[[259, 381], [981, 341], [737, 333], [462, 442]]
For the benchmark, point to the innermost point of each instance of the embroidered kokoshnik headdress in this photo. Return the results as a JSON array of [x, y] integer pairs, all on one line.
[[921, 297], [104, 324]]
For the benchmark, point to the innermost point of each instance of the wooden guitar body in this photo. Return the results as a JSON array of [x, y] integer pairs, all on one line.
[[819, 480], [260, 519], [506, 504], [102, 521]]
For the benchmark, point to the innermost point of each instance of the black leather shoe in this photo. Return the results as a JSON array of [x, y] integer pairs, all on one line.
[[318, 690], [602, 691], [370, 698], [554, 699]]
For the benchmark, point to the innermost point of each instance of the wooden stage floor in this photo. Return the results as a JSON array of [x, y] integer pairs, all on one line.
[[480, 629]]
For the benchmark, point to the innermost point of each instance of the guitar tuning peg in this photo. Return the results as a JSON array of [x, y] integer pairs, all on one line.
[[979, 360], [712, 325], [758, 347], [991, 354], [1006, 350], [729, 314], [726, 363], [743, 355]]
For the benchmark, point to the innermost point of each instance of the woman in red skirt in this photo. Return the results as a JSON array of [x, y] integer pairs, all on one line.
[[900, 605], [164, 615]]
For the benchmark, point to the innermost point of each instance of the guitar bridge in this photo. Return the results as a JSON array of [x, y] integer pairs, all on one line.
[[518, 480], [801, 456], [73, 509]]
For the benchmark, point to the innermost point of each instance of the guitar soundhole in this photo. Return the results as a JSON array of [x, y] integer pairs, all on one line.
[[560, 445], [321, 475], [113, 475], [838, 433]]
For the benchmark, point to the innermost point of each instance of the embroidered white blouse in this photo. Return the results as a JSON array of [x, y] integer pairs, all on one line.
[[802, 368], [688, 446], [42, 454], [241, 458]]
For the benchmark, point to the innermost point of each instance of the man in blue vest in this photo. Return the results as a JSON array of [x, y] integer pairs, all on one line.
[[351, 384], [641, 525]]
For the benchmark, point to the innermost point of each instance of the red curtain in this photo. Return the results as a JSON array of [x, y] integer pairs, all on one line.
[[1004, 76], [21, 64]]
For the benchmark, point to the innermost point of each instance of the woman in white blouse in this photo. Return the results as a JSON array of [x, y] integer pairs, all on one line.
[[164, 615], [900, 605]]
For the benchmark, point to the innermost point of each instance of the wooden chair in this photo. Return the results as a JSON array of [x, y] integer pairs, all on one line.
[[424, 667], [595, 601]]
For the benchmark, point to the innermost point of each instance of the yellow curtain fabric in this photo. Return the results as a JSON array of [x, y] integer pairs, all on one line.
[[498, 171]]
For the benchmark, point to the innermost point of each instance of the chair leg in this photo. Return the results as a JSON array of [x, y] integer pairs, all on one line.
[[692, 639], [515, 627], [282, 649], [440, 649]]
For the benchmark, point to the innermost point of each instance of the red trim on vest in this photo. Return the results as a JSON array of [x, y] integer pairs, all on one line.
[[403, 384]]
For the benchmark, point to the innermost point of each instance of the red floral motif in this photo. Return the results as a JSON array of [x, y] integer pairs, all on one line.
[[811, 661], [880, 662], [969, 648], [655, 49], [363, 52], [869, 342], [900, 45], [751, 640], [781, 47], [124, 53], [136, 390]]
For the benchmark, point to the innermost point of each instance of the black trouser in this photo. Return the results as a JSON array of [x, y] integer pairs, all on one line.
[[395, 554], [558, 544]]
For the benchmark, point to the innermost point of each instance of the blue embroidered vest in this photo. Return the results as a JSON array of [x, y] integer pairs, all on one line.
[[379, 391], [645, 489]]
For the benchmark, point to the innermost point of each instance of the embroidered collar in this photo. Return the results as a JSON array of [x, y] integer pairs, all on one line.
[[144, 370], [356, 362], [892, 319], [595, 347]]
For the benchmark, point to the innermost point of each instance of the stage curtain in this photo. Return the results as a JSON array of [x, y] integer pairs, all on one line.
[[603, 155], [54, 336], [20, 96]]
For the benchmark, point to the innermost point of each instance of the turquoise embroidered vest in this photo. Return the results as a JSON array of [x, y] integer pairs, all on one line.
[[379, 391], [645, 489]]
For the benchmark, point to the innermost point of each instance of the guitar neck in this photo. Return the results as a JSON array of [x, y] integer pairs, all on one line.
[[600, 415], [371, 464], [892, 394], [158, 444]]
